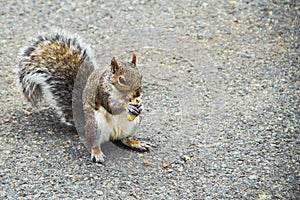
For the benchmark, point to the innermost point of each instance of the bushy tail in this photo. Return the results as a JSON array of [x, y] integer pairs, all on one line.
[[34, 83], [48, 69]]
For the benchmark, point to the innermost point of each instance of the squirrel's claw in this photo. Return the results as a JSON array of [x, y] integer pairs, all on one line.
[[134, 145], [143, 146]]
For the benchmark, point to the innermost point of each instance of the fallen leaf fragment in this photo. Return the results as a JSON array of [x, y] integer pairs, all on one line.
[[165, 165], [147, 161]]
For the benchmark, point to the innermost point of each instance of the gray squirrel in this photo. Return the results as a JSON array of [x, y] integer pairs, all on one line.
[[111, 99]]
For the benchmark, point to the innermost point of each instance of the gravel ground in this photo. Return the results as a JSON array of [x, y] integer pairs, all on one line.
[[221, 88]]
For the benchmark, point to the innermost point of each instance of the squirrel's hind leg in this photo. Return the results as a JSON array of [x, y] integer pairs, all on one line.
[[132, 144], [97, 155]]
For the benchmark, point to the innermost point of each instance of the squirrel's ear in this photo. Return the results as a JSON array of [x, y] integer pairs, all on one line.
[[114, 65], [133, 60]]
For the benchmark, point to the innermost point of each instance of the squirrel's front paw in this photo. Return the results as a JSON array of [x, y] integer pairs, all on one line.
[[135, 108], [97, 155]]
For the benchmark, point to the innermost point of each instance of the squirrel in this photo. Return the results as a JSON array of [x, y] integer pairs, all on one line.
[[110, 100]]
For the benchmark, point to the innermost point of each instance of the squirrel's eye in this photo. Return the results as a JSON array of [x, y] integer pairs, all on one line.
[[122, 80]]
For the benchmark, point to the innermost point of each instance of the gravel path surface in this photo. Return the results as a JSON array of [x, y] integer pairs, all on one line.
[[221, 88]]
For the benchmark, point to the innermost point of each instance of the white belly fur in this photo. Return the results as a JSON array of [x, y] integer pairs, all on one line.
[[114, 126]]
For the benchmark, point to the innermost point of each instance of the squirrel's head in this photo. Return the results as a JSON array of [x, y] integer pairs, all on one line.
[[126, 77]]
